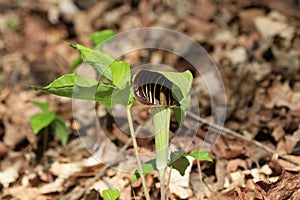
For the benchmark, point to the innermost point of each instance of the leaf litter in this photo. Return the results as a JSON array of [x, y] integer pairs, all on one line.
[[254, 44]]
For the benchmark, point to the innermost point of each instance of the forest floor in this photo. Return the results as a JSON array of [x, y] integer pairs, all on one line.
[[254, 44]]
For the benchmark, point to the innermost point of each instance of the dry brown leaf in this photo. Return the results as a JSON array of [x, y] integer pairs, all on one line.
[[204, 9], [272, 25], [278, 133], [281, 95], [20, 192], [287, 184], [237, 55], [259, 70], [11, 173], [200, 189], [234, 164], [199, 26], [3, 149], [248, 16]]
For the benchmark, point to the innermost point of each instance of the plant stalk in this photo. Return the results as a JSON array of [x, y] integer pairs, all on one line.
[[161, 121], [162, 173], [136, 151]]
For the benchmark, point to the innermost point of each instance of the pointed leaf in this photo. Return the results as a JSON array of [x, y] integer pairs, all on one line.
[[179, 162], [41, 105], [75, 64], [110, 194], [40, 121], [116, 72], [80, 87], [120, 73], [101, 36], [83, 50], [60, 130], [148, 167], [121, 96], [200, 155], [97, 59], [182, 83]]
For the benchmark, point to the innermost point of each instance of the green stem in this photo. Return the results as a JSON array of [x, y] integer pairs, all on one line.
[[136, 151], [162, 173], [161, 121]]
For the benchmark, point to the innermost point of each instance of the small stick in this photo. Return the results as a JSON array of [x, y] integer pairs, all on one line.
[[137, 155], [236, 134]]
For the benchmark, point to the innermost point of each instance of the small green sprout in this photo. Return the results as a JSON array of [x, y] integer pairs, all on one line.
[[49, 118]]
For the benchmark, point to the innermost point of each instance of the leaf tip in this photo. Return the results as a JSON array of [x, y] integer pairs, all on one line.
[[70, 44], [34, 87]]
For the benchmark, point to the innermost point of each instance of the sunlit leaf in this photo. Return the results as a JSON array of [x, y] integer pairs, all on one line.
[[99, 37], [75, 64], [41, 105], [80, 87], [148, 167], [199, 155], [40, 121], [115, 71], [97, 59], [120, 74], [182, 83], [60, 130], [110, 194]]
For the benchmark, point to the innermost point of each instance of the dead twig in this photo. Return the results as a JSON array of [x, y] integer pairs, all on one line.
[[240, 136]]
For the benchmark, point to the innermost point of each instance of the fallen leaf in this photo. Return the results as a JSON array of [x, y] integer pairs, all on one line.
[[278, 133], [248, 16], [287, 184], [269, 27], [11, 173]]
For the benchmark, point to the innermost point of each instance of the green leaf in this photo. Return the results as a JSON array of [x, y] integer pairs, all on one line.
[[148, 167], [80, 87], [60, 130], [120, 73], [83, 50], [40, 121], [199, 155], [75, 64], [97, 59], [41, 105], [110, 194], [179, 162], [182, 83], [99, 37], [116, 72], [121, 96]]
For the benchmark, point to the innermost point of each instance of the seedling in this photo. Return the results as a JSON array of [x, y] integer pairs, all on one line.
[[162, 91], [49, 118]]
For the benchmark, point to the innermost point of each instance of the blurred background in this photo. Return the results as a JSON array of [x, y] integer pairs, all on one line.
[[255, 45]]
